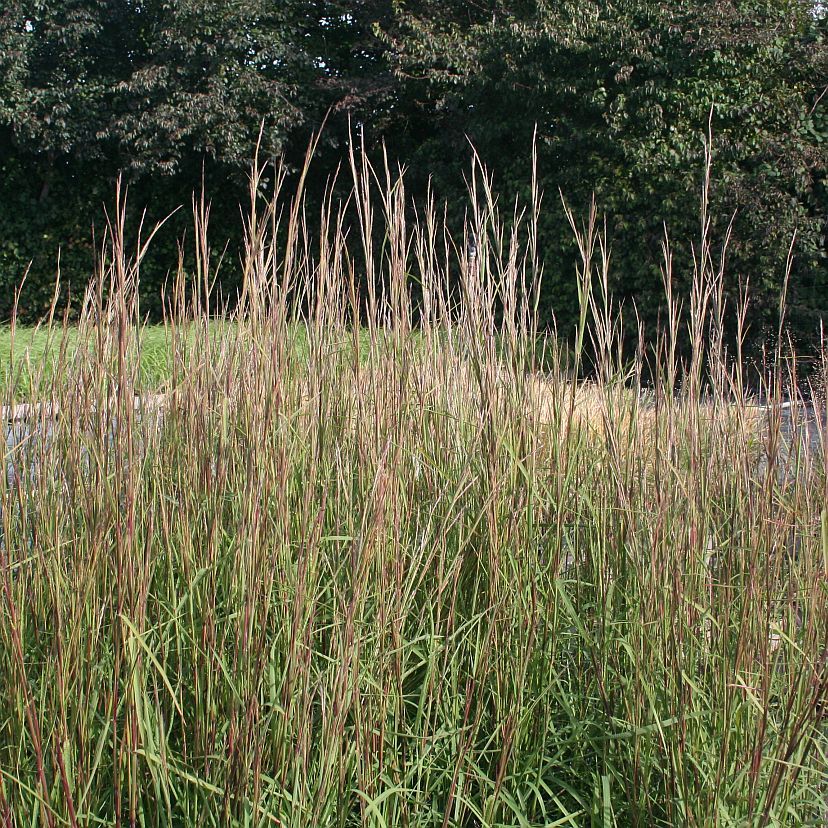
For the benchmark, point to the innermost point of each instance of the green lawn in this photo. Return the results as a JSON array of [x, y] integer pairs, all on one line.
[[29, 362], [30, 373]]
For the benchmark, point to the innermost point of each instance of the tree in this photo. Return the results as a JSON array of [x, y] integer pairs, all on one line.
[[621, 93], [164, 92]]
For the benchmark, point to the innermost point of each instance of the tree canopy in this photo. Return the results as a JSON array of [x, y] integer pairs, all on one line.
[[619, 94]]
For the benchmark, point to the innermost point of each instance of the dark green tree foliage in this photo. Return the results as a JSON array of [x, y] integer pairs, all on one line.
[[202, 78], [51, 81], [164, 92], [619, 92]]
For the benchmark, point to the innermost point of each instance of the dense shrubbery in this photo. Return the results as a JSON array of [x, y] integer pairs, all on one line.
[[619, 95]]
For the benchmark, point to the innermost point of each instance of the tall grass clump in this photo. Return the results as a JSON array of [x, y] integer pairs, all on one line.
[[400, 576]]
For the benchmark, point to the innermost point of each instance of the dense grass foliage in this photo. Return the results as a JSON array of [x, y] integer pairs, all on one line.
[[406, 579]]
